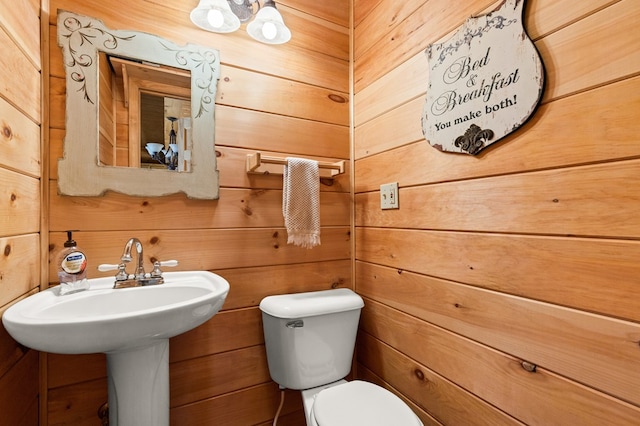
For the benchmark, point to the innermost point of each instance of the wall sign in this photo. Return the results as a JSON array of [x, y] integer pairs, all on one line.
[[484, 82]]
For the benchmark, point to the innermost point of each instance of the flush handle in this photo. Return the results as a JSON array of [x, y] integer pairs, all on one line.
[[295, 324]]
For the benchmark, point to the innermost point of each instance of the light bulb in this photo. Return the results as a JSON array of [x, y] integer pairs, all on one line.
[[269, 30], [215, 18]]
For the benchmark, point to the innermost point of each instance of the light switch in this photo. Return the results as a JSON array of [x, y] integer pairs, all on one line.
[[389, 196]]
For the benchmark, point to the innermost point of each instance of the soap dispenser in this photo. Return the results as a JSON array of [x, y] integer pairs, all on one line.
[[72, 268]]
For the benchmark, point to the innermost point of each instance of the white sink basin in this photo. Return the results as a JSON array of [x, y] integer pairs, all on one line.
[[131, 325], [104, 319]]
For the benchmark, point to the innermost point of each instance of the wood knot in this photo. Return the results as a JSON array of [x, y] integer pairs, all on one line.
[[153, 259], [275, 234], [339, 282], [13, 197], [530, 367], [145, 203], [337, 98], [154, 240], [247, 210], [7, 250], [419, 374], [6, 131], [326, 181], [400, 271], [218, 154]]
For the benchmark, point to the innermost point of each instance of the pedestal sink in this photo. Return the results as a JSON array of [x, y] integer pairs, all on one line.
[[131, 325]]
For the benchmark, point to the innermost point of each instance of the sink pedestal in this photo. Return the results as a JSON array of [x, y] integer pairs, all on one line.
[[139, 386]]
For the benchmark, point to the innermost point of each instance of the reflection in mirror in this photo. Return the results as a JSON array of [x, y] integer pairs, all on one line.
[[164, 137], [114, 140], [151, 105]]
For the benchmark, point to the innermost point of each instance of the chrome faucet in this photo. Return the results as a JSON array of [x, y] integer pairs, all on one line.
[[139, 278], [126, 257]]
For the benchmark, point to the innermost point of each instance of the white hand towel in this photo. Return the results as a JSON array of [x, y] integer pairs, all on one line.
[[301, 202]]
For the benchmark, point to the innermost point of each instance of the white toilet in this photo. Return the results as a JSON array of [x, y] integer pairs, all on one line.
[[310, 339]]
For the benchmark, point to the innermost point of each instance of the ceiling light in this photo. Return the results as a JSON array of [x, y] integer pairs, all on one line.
[[224, 16], [216, 16]]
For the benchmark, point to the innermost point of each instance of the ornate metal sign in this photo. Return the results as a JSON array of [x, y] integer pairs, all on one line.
[[484, 82]]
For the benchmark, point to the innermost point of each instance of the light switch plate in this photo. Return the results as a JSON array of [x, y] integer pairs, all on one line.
[[389, 196]]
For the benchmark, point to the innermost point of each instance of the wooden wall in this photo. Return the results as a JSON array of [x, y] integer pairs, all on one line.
[[276, 99], [20, 198], [526, 256]]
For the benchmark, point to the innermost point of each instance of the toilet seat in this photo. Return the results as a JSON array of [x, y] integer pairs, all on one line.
[[359, 403]]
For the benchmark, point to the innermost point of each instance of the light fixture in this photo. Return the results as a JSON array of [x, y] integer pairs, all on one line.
[[165, 156], [216, 16], [224, 16]]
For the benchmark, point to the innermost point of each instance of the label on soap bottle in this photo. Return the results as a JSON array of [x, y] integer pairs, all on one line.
[[74, 263]]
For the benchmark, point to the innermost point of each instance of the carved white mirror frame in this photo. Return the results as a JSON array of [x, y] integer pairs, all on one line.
[[79, 174]]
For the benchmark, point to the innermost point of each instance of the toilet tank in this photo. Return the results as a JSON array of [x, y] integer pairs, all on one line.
[[310, 337]]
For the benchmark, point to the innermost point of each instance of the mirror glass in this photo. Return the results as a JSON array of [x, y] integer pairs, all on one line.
[[139, 115], [144, 115]]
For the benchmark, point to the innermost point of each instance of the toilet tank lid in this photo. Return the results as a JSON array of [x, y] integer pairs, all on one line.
[[299, 305]]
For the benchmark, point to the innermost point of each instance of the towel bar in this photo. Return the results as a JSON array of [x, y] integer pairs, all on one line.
[[263, 164]]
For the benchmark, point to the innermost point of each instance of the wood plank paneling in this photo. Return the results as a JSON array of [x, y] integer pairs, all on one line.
[[528, 203], [20, 21], [237, 49], [441, 398], [226, 331], [236, 128], [336, 11], [19, 141], [367, 375], [318, 33], [591, 349], [19, 198], [595, 275], [517, 254], [76, 404], [430, 21], [20, 79], [251, 285], [250, 406], [19, 266], [545, 16], [210, 249], [217, 374], [449, 355], [409, 79], [611, 56], [237, 88], [64, 370], [19, 391], [533, 147], [237, 208]]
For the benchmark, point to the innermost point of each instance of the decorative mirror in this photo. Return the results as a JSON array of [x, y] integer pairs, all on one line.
[[139, 113]]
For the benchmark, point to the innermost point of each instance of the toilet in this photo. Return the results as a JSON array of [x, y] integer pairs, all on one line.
[[310, 338]]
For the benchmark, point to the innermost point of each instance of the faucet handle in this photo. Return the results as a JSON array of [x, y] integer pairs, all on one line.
[[105, 267], [157, 264], [122, 273]]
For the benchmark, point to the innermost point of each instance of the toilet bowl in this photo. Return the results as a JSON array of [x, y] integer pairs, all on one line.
[[310, 339], [356, 403]]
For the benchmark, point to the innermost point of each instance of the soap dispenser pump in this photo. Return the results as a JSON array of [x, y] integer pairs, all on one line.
[[72, 267]]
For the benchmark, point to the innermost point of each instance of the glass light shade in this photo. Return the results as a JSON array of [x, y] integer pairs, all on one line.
[[268, 26], [215, 16]]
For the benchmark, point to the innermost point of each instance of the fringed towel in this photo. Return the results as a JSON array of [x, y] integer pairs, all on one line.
[[301, 202]]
